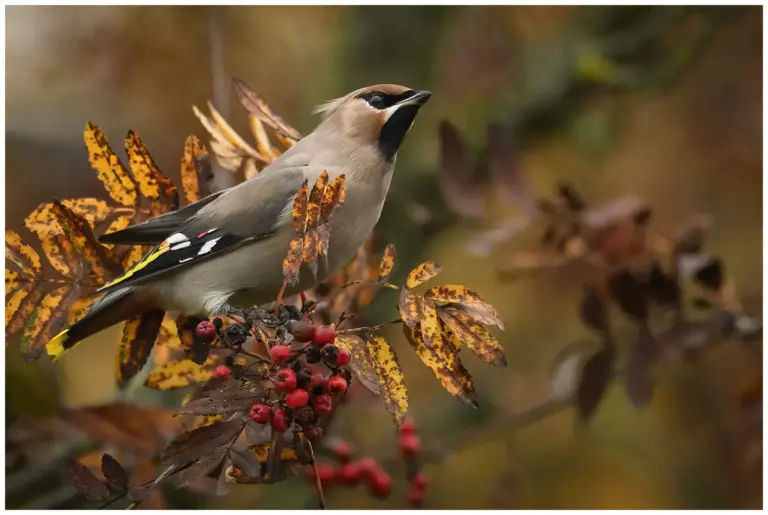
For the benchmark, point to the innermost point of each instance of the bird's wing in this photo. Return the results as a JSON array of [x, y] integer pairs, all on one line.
[[154, 231], [249, 212]]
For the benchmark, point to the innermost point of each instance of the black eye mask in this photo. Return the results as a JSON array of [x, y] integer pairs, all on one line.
[[381, 100]]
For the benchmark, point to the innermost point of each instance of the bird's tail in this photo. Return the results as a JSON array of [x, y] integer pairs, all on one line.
[[113, 308]]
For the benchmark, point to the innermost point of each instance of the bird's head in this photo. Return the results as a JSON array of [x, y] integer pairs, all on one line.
[[376, 115]]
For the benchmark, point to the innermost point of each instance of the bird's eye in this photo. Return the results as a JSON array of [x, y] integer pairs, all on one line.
[[376, 101]]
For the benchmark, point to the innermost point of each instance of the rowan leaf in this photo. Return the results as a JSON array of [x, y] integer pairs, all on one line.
[[409, 307], [323, 239], [230, 155], [201, 468], [101, 261], [289, 464], [43, 221], [309, 249], [86, 483], [227, 399], [387, 262], [117, 180], [361, 363], [300, 203], [168, 336], [390, 378], [194, 153], [194, 444], [231, 135], [80, 308], [136, 342], [152, 183], [260, 109], [11, 281], [292, 261], [445, 365], [474, 335], [423, 273], [334, 195], [20, 307], [116, 476], [595, 377], [22, 255], [62, 256], [179, 374], [263, 144], [469, 300], [45, 320]]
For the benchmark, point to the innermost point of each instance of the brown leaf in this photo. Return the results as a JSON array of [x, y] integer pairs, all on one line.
[[62, 256], [117, 180], [117, 477], [20, 306], [46, 320], [444, 362], [471, 301], [423, 273], [335, 194], [507, 177], [638, 378], [86, 483], [361, 363], [12, 281], [292, 261], [390, 377], [231, 151], [136, 343], [289, 464], [409, 307], [260, 109], [152, 183], [192, 445], [628, 292], [593, 311], [230, 400], [263, 145], [663, 288], [194, 153], [201, 468], [300, 203], [22, 254], [309, 248], [323, 239], [460, 188], [474, 335], [179, 374], [387, 262], [595, 377], [43, 221]]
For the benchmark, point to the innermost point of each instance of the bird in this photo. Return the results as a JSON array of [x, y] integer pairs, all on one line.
[[226, 250]]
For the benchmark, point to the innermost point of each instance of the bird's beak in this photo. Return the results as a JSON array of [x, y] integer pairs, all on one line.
[[419, 99]]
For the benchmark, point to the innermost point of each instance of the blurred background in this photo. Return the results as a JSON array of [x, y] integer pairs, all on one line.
[[660, 102]]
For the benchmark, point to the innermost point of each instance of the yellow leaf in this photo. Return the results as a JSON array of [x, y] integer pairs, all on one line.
[[20, 306], [152, 183], [194, 153], [136, 342], [80, 308], [423, 273], [230, 134], [260, 109], [472, 333], [114, 176], [334, 195], [409, 307], [93, 210], [471, 301], [391, 380], [22, 254], [361, 363], [42, 220], [230, 150], [62, 255], [46, 320], [262, 140], [179, 374], [445, 364], [119, 223], [169, 334], [387, 262], [11, 281]]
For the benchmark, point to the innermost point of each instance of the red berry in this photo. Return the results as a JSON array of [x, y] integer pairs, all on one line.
[[325, 471], [261, 413], [314, 432], [285, 380], [324, 334], [222, 372], [369, 466], [410, 445], [337, 384], [343, 451], [280, 354], [323, 404], [408, 427], [279, 420], [343, 358], [318, 380], [350, 473], [415, 498], [297, 398], [206, 331], [420, 482], [304, 331], [380, 484]]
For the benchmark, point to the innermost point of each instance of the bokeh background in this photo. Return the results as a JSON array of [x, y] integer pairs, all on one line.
[[660, 102]]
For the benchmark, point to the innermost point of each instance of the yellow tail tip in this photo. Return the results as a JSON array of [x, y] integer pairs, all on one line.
[[55, 347]]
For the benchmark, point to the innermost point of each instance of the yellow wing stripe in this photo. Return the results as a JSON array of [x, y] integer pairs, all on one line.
[[159, 251]]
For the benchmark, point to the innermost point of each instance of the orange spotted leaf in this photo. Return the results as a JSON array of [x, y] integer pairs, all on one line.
[[292, 261], [409, 307], [194, 153], [300, 203], [43, 221], [423, 273], [22, 254], [152, 183], [117, 180], [387, 262], [46, 320], [136, 343], [473, 334], [179, 374], [334, 196], [471, 301]]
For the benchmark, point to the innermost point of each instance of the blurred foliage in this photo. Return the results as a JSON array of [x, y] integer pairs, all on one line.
[[663, 102]]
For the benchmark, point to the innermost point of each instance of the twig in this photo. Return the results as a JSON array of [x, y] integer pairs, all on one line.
[[318, 483], [371, 328]]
